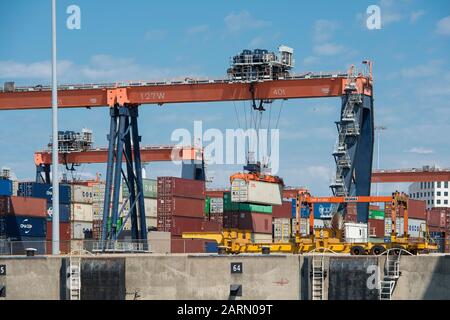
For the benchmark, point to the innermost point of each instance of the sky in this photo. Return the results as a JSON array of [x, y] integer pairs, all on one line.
[[149, 40]]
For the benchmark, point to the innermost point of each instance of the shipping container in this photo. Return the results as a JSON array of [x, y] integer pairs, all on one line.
[[324, 210], [216, 217], [355, 232], [81, 194], [81, 212], [437, 217], [211, 247], [211, 226], [6, 187], [416, 209], [283, 211], [216, 205], [254, 222], [229, 205], [376, 214], [22, 226], [376, 228], [303, 211], [281, 229], [180, 245], [261, 238], [78, 229], [44, 190], [23, 206], [64, 231], [150, 187], [180, 206], [257, 192], [177, 225], [171, 186], [64, 212], [416, 227], [207, 206], [15, 188]]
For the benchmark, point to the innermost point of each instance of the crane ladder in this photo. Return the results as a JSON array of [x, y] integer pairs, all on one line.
[[75, 278], [317, 277], [391, 275]]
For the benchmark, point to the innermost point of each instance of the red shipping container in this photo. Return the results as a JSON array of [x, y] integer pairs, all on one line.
[[171, 186], [216, 193], [177, 225], [64, 230], [255, 222], [376, 228], [23, 206], [437, 217], [212, 226], [217, 217], [416, 209], [180, 245], [230, 220], [283, 211], [180, 206]]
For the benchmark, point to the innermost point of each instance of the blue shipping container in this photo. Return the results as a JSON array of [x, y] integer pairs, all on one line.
[[323, 210], [211, 247], [17, 227], [6, 187], [303, 211], [64, 212], [44, 190]]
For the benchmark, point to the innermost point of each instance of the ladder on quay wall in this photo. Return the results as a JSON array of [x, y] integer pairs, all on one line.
[[75, 278], [391, 275], [317, 277]]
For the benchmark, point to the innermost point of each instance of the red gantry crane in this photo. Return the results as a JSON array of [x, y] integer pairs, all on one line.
[[353, 151]]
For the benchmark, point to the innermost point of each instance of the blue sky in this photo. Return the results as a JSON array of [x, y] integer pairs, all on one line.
[[150, 40]]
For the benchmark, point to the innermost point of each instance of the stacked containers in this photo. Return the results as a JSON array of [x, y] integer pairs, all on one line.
[[180, 206], [213, 220], [23, 221], [150, 194], [281, 229], [82, 211], [438, 226], [246, 216], [376, 223]]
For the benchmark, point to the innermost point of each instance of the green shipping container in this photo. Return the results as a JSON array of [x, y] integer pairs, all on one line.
[[207, 206], [108, 224], [376, 214], [228, 205], [150, 188]]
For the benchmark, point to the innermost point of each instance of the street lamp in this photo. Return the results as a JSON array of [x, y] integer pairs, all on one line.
[[55, 183], [378, 129]]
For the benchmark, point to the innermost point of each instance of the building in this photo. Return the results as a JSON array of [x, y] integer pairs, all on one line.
[[435, 194]]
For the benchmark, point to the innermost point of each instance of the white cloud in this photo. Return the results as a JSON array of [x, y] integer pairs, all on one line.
[[100, 67], [324, 29], [256, 42], [310, 60], [237, 22], [443, 26], [421, 150], [431, 68], [155, 34], [320, 172], [197, 29], [328, 49], [416, 15]]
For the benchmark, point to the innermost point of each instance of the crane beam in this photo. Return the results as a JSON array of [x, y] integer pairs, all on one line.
[[390, 176], [216, 90], [148, 154]]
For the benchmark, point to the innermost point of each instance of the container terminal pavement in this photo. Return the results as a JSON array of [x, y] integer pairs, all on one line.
[[184, 276]]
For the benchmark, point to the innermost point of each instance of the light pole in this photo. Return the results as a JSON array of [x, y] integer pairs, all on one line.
[[55, 182], [378, 129]]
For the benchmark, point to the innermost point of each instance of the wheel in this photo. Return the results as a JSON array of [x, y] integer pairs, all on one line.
[[377, 250], [357, 251], [396, 250]]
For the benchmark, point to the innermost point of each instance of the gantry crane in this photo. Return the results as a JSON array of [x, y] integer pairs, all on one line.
[[124, 100]]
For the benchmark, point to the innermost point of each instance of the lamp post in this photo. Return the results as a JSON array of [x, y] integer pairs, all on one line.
[[55, 182], [378, 129]]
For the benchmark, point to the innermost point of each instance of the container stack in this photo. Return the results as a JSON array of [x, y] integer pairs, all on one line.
[[180, 208], [150, 202], [82, 212], [282, 224], [23, 222], [437, 219], [213, 221], [256, 218], [417, 220]]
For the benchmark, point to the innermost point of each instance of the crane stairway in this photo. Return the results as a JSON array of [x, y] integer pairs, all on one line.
[[391, 276], [75, 278]]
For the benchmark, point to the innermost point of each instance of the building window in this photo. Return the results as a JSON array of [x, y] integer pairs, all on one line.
[[421, 185], [432, 184], [428, 201], [439, 184], [438, 201], [446, 193], [432, 201], [445, 201], [446, 184]]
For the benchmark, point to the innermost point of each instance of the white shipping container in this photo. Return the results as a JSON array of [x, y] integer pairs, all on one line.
[[355, 232], [150, 207], [82, 212], [281, 228], [257, 192], [81, 194], [216, 205], [304, 226], [261, 238], [416, 227], [77, 229]]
